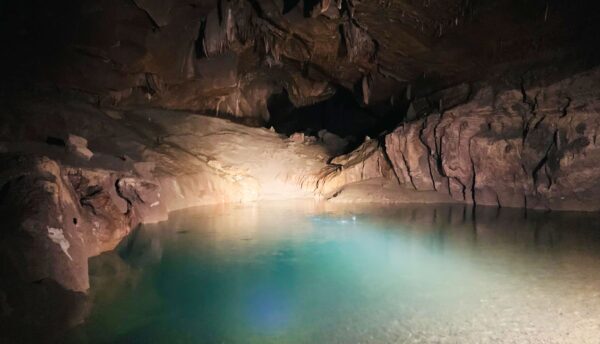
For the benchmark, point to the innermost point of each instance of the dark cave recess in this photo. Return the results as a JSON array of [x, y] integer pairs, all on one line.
[[341, 114]]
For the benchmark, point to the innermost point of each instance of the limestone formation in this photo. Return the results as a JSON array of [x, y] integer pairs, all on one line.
[[366, 162], [159, 52], [531, 147]]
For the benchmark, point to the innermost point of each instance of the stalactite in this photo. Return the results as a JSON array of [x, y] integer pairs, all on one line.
[[366, 89]]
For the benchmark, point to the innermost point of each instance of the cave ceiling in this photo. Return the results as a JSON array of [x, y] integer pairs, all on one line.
[[228, 56]]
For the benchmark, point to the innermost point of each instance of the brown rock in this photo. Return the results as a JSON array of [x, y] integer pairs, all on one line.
[[499, 149], [366, 162], [78, 146], [297, 137]]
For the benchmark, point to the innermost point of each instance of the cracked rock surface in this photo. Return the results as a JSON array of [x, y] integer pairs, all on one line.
[[509, 146]]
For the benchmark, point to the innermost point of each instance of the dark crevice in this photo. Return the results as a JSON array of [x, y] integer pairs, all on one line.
[[87, 205], [542, 162], [532, 108], [523, 91], [387, 158], [537, 124], [4, 190], [429, 153], [474, 177], [199, 47], [309, 5], [566, 107], [408, 172], [463, 189], [55, 141], [86, 200], [341, 114], [120, 193], [438, 146], [289, 5]]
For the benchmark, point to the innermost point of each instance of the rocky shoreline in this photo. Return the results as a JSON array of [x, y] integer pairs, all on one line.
[[74, 190]]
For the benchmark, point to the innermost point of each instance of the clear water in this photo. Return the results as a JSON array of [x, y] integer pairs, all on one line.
[[305, 273]]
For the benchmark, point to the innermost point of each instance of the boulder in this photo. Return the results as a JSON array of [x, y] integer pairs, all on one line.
[[78, 146]]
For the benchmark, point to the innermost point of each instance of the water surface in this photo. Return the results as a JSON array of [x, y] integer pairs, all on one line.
[[305, 273]]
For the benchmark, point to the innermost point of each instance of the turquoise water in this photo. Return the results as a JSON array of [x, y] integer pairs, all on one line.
[[305, 273]]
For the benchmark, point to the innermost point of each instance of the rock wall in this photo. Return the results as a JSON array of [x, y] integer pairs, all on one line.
[[507, 144], [58, 214], [140, 165], [366, 162], [61, 207], [65, 198], [510, 145]]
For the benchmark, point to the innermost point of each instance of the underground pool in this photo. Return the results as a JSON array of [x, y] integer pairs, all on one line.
[[311, 273]]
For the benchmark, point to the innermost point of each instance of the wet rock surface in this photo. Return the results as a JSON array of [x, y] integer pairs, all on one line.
[[59, 209], [509, 145]]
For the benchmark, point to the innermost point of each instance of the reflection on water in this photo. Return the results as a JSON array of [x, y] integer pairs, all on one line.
[[305, 273]]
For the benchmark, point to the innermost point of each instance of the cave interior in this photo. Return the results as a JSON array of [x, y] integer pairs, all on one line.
[[115, 113]]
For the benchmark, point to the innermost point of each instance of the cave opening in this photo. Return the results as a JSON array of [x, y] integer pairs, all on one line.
[[342, 114]]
